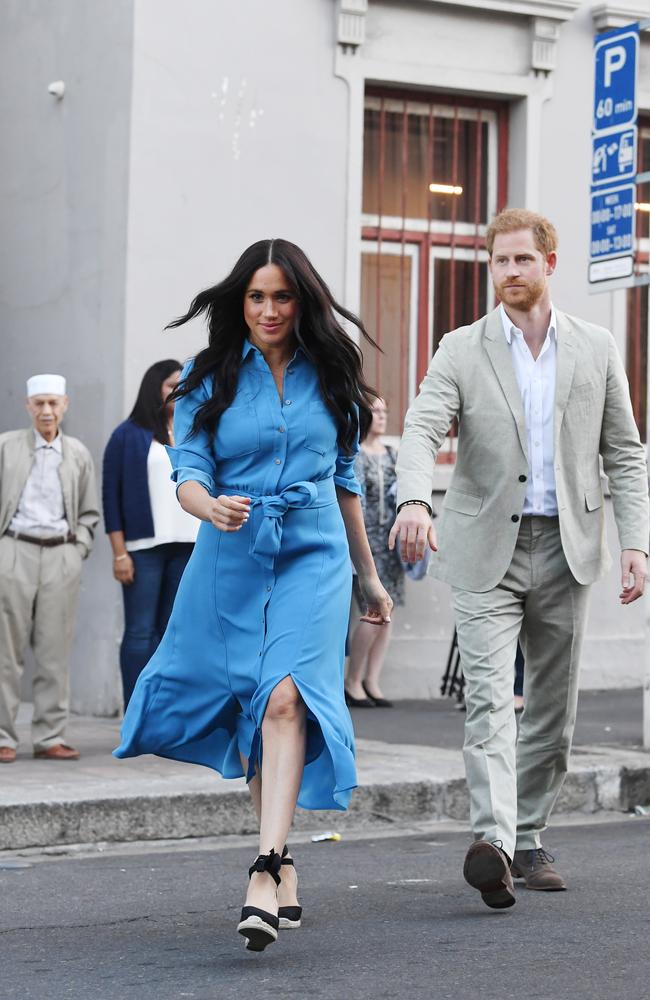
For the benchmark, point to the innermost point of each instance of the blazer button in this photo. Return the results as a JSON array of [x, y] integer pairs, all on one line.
[[515, 517], [522, 478]]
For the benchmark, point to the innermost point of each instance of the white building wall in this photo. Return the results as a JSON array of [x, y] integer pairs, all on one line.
[[246, 121], [238, 133]]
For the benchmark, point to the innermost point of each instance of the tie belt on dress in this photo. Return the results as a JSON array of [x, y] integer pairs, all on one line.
[[44, 541], [267, 513]]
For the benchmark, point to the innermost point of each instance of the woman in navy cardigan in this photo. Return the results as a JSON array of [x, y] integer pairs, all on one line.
[[152, 537]]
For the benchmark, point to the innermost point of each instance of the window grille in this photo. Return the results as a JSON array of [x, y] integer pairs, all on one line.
[[434, 174]]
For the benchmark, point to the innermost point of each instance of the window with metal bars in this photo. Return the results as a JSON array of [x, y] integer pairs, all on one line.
[[434, 174], [638, 299]]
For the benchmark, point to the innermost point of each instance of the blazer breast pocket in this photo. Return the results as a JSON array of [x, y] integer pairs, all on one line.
[[462, 503], [583, 392]]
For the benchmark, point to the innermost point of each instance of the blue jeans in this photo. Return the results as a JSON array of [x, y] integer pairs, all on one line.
[[148, 603]]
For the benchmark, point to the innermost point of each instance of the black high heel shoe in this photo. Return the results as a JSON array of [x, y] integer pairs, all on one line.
[[377, 702], [356, 702], [289, 916], [259, 926]]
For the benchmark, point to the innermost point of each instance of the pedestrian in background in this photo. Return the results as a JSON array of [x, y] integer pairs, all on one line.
[[374, 467], [48, 513], [249, 676], [540, 397], [152, 537]]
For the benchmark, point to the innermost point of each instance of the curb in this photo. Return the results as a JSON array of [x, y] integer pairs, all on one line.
[[590, 787]]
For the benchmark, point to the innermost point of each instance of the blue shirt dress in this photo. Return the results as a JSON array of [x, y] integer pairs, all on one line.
[[268, 601]]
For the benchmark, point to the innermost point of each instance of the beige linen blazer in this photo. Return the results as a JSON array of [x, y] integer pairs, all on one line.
[[77, 475], [471, 376]]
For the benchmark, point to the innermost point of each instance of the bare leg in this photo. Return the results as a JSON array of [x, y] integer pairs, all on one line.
[[283, 735], [288, 888], [360, 646], [376, 658]]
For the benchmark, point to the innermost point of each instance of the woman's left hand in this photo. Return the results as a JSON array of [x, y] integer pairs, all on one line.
[[378, 600]]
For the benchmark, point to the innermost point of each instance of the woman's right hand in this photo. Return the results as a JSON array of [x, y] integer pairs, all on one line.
[[123, 569], [230, 513]]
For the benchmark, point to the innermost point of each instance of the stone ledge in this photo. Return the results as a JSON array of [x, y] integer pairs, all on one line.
[[600, 780]]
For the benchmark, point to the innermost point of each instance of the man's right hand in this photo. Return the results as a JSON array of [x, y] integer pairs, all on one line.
[[412, 530]]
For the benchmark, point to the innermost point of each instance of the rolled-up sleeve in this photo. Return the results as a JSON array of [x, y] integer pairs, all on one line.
[[344, 474], [193, 457]]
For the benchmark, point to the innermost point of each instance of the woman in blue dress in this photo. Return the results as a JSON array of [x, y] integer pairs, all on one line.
[[248, 678]]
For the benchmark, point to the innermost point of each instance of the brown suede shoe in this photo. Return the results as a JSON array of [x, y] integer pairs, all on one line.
[[536, 868], [486, 868], [60, 751], [7, 755]]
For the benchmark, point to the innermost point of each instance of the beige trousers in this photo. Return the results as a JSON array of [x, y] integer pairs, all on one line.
[[38, 599], [514, 783]]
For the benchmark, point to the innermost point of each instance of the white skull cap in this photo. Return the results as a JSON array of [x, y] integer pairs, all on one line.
[[45, 385]]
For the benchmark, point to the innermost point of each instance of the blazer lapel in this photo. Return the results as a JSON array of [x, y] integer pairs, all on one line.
[[23, 464], [498, 352], [564, 369], [66, 477]]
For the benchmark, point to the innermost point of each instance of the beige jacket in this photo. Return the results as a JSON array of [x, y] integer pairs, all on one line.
[[77, 475], [471, 376]]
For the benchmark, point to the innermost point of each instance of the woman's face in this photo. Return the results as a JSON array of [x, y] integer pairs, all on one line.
[[270, 308], [168, 386], [379, 416]]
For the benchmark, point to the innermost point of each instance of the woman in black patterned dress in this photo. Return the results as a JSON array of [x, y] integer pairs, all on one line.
[[375, 469]]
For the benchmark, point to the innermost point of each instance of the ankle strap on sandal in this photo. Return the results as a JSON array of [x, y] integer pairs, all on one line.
[[285, 860], [269, 863]]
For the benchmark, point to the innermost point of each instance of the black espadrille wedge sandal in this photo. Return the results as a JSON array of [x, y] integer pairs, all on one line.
[[259, 927], [289, 916]]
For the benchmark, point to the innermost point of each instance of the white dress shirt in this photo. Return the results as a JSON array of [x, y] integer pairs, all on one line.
[[170, 522], [536, 381], [40, 509]]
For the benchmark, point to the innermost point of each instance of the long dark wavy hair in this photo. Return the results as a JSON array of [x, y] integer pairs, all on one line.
[[337, 359], [149, 409]]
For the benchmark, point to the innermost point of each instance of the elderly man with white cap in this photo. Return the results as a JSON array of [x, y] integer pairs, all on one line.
[[48, 513]]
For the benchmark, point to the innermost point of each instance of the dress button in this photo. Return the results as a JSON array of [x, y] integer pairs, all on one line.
[[281, 429], [287, 402], [522, 478], [515, 517], [277, 461], [268, 588]]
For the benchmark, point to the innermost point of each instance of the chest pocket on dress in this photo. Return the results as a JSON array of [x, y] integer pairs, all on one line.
[[238, 432], [320, 432]]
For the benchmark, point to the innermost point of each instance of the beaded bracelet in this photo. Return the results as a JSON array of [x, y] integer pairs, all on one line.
[[420, 503]]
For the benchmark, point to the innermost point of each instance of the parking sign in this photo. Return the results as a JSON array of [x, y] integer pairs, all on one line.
[[616, 60]]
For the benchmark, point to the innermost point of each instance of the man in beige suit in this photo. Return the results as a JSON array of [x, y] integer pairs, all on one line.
[[540, 398], [48, 513]]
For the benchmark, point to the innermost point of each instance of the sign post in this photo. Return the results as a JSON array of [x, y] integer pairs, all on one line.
[[614, 200], [613, 157]]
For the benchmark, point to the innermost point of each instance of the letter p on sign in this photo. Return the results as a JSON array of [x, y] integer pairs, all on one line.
[[615, 59]]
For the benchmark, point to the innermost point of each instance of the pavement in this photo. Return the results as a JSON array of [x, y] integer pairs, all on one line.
[[385, 918], [409, 763]]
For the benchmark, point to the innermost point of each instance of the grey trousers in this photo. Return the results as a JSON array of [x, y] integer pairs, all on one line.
[[38, 600], [514, 783]]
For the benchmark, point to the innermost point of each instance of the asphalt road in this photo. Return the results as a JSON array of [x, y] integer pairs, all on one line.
[[385, 918]]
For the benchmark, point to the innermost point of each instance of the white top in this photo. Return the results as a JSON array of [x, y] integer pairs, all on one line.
[[536, 381], [170, 522], [40, 509]]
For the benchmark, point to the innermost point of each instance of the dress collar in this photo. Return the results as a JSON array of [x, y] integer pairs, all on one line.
[[250, 351]]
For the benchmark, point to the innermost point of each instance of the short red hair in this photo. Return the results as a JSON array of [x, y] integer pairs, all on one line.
[[513, 219]]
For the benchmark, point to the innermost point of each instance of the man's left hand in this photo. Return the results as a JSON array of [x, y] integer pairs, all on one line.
[[634, 570]]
